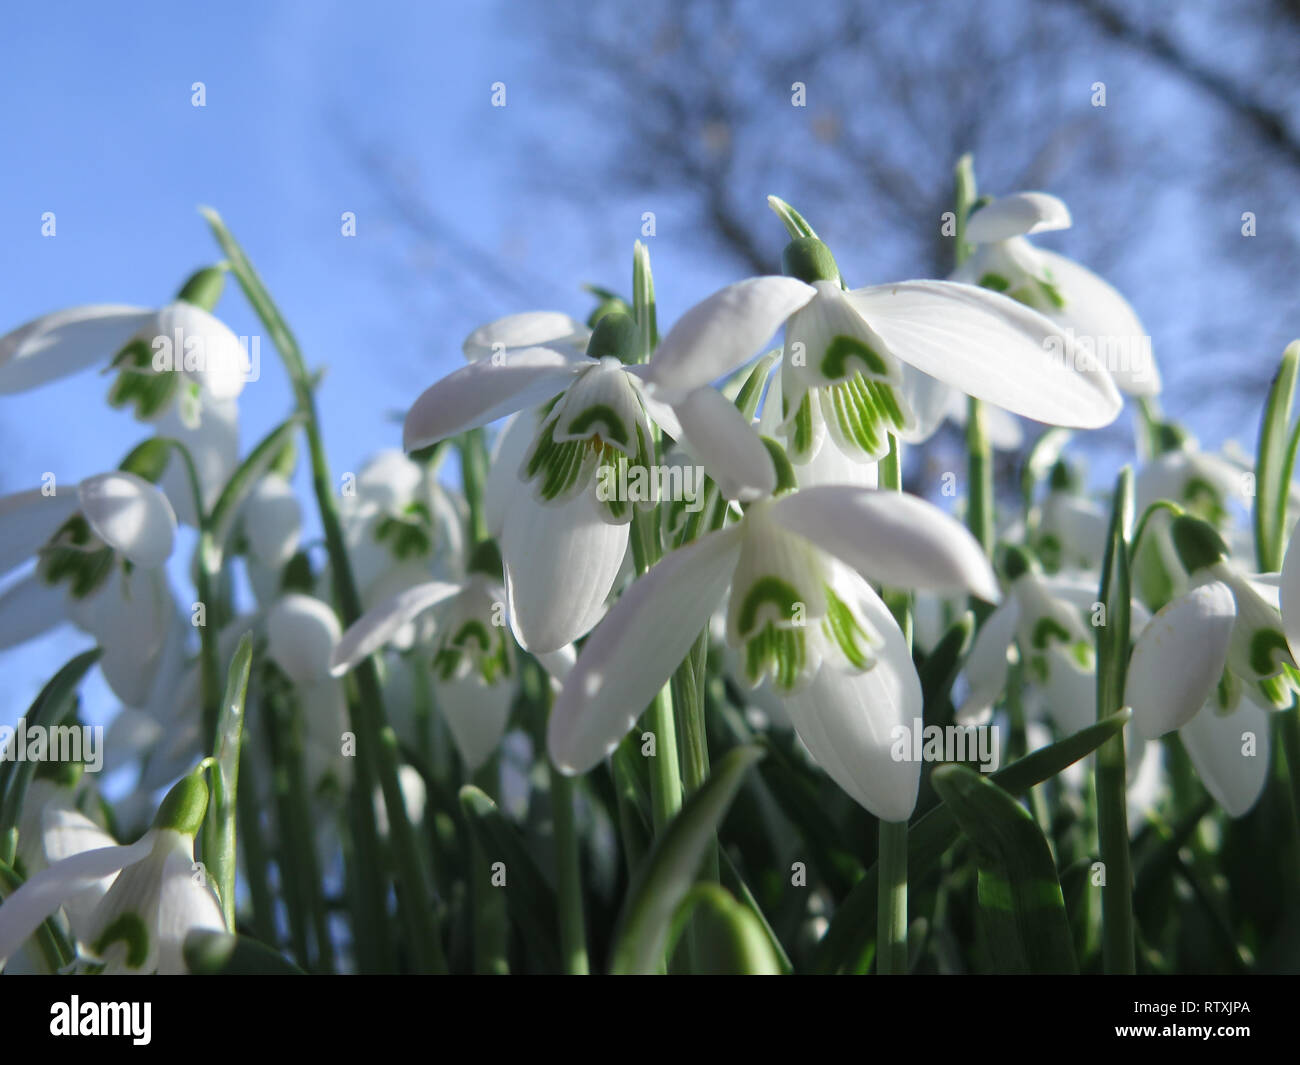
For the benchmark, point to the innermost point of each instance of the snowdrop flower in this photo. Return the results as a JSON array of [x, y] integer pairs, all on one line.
[[1071, 529], [101, 548], [473, 659], [563, 540], [140, 923], [1258, 652], [1049, 620], [800, 613], [399, 523], [178, 355], [1083, 306], [844, 353]]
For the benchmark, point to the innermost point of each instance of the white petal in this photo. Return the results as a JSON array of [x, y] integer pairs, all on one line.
[[1179, 659], [992, 348], [24, 910], [185, 904], [1017, 216], [1069, 696], [213, 444], [830, 465], [1093, 308], [930, 401], [29, 607], [204, 347], [381, 623], [29, 519], [272, 519], [66, 341], [130, 618], [890, 537], [477, 714], [503, 482], [302, 633], [130, 515], [560, 564], [1217, 744], [851, 723], [632, 654], [66, 831], [529, 329], [487, 390], [725, 331], [986, 665], [716, 433], [559, 664]]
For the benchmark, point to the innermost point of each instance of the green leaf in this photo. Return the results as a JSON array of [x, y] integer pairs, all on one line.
[[219, 845], [530, 898], [853, 925], [729, 939], [672, 865], [50, 707], [941, 666], [258, 463], [736, 882], [209, 953], [643, 301], [1019, 894], [1274, 462]]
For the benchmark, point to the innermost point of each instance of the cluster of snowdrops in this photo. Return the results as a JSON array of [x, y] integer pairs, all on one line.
[[630, 682]]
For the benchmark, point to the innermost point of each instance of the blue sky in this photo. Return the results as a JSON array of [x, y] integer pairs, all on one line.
[[99, 117]]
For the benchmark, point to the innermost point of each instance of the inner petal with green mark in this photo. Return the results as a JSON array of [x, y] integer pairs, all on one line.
[[472, 643], [75, 556], [861, 414], [599, 422], [778, 603]]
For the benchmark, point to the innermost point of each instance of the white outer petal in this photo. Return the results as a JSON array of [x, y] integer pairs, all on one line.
[[890, 537], [986, 665], [302, 633], [725, 331], [1093, 308], [24, 910], [64, 342], [378, 625], [503, 482], [487, 390], [528, 329], [1017, 216], [1179, 659], [1214, 743], [28, 520], [632, 654], [29, 607], [130, 515], [992, 348], [851, 723], [221, 365], [476, 714], [716, 433], [272, 519], [561, 562]]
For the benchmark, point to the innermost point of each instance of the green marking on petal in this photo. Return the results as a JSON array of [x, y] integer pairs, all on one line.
[[1264, 646], [604, 415], [139, 385], [127, 928], [782, 652], [996, 282], [1045, 630], [771, 590], [841, 625], [842, 349], [76, 556], [802, 438]]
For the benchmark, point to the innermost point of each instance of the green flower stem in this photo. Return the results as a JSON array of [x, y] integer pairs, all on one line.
[[1118, 943], [891, 899], [573, 935], [256, 859], [979, 472], [473, 475], [220, 843], [487, 900], [367, 715]]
